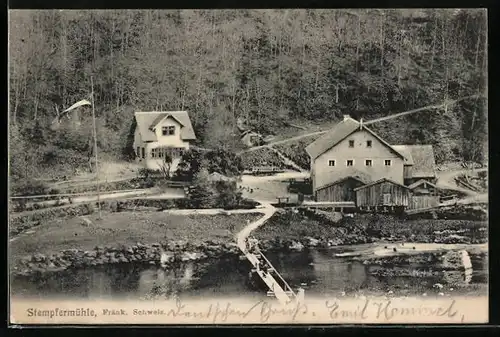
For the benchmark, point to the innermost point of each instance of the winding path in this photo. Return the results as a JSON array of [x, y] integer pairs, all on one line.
[[268, 212]]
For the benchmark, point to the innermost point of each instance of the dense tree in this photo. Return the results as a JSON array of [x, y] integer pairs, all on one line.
[[265, 66]]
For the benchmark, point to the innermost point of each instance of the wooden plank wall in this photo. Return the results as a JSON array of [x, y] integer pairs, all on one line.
[[331, 193], [343, 191], [423, 201], [374, 195]]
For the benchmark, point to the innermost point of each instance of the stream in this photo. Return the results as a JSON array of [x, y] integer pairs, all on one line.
[[319, 272]]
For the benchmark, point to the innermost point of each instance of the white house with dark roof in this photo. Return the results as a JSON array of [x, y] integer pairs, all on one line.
[[351, 155], [159, 133]]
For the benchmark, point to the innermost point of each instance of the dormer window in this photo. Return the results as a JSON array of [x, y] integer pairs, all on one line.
[[168, 130], [351, 143]]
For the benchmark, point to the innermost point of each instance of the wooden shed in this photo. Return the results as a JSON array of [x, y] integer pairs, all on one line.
[[424, 194], [383, 193], [340, 190]]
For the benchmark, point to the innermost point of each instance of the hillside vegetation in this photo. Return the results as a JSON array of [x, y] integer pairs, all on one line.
[[264, 66]]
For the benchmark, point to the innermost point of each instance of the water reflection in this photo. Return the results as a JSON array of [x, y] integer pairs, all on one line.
[[318, 271]]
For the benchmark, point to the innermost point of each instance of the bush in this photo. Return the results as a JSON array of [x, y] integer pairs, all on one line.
[[89, 208], [261, 157], [32, 187], [219, 160]]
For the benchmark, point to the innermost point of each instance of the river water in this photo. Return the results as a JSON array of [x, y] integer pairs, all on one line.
[[319, 272]]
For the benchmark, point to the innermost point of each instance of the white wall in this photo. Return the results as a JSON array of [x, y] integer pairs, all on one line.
[[323, 174], [174, 140]]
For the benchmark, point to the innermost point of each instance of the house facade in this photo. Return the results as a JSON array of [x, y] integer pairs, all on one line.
[[352, 149], [161, 134], [351, 155]]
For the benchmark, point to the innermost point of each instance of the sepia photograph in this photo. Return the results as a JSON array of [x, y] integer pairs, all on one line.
[[248, 166]]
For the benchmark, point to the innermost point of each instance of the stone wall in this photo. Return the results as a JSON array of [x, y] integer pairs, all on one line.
[[176, 251]]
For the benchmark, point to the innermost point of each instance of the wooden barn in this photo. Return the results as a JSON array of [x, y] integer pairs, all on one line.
[[424, 194], [340, 190], [382, 194]]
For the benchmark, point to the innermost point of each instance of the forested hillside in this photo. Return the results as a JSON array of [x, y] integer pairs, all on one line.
[[267, 66]]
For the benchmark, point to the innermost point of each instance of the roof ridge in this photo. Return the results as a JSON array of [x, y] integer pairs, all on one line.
[[159, 112]]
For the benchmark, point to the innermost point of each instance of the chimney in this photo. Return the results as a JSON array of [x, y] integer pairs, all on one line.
[[346, 117]]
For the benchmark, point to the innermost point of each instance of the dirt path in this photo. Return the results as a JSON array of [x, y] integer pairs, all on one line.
[[287, 161], [284, 141], [268, 211], [446, 180]]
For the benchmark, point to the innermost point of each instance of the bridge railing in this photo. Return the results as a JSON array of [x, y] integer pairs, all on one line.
[[285, 283]]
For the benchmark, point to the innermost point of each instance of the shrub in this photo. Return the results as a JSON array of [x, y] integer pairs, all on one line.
[[89, 208], [261, 157]]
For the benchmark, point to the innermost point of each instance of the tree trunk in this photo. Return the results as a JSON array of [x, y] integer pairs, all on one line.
[[434, 42], [382, 45], [358, 43]]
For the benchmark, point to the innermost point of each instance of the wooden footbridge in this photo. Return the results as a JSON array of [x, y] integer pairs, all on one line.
[[277, 285]]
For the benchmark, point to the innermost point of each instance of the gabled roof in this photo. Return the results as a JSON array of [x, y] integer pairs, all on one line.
[[381, 181], [338, 133], [161, 117], [422, 156], [147, 119], [420, 182], [340, 176]]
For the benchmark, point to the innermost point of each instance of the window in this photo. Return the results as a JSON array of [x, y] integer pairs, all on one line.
[[138, 152], [368, 143], [153, 153], [387, 162], [331, 163], [351, 143], [143, 154], [350, 162], [368, 162], [168, 130]]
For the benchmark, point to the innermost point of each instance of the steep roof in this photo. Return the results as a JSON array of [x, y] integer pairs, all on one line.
[[341, 175], [422, 157], [380, 181], [405, 151], [338, 133], [147, 120]]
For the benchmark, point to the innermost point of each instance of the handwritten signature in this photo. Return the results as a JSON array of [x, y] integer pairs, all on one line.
[[266, 311]]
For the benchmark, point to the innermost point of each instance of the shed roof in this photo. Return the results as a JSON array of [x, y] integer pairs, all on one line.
[[420, 182], [379, 182], [146, 121], [340, 176], [422, 156], [338, 133]]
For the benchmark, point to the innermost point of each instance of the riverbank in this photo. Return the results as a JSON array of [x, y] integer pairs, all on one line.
[[295, 228], [140, 237], [122, 237]]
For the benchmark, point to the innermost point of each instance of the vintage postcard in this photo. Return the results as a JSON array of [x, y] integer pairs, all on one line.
[[240, 166]]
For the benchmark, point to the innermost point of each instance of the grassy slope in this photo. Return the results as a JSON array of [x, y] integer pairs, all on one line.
[[127, 228]]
